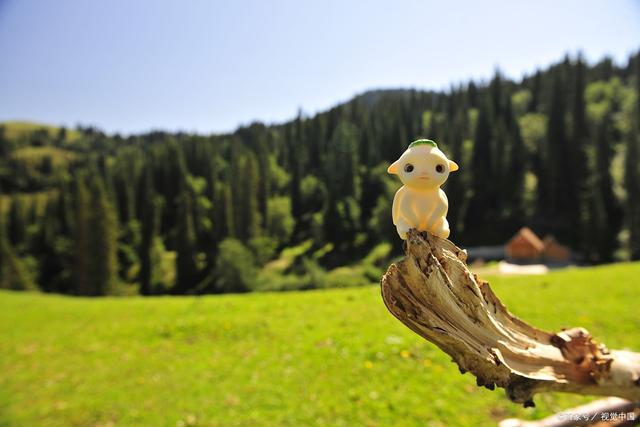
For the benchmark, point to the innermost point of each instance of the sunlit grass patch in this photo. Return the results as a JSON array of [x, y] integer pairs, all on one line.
[[34, 156]]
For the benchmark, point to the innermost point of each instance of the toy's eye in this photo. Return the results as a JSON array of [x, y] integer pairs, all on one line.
[[408, 168], [440, 168]]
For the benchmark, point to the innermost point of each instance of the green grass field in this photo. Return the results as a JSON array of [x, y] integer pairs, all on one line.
[[333, 357]]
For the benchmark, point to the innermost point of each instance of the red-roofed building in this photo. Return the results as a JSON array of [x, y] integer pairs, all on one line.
[[527, 247], [555, 252]]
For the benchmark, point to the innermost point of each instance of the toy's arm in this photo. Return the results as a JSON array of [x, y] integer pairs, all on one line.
[[440, 209], [444, 203], [395, 209], [401, 225]]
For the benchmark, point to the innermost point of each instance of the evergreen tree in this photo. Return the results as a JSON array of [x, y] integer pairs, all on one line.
[[249, 215], [579, 161], [612, 210], [95, 238], [13, 273], [516, 168], [63, 210], [557, 153], [472, 95], [151, 208], [172, 181], [536, 88], [597, 232], [49, 248], [341, 165], [81, 238], [186, 267], [127, 171], [482, 205], [456, 187], [295, 165], [103, 238], [222, 212], [264, 183], [5, 145], [496, 94], [17, 221], [559, 204]]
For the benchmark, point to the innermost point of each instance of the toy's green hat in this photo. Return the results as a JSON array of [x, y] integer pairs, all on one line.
[[423, 142]]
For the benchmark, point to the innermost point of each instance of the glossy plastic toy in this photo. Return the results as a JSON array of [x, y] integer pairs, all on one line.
[[420, 203]]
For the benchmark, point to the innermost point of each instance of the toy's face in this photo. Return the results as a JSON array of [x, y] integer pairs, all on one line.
[[423, 167]]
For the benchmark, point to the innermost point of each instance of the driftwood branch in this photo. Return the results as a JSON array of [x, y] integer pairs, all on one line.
[[433, 293], [608, 412]]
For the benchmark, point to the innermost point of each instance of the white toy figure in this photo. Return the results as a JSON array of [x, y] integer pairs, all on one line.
[[420, 203]]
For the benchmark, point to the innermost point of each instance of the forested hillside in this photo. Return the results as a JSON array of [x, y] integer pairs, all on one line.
[[307, 203]]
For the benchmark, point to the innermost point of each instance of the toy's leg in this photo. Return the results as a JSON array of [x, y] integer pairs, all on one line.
[[402, 227], [441, 228], [435, 218]]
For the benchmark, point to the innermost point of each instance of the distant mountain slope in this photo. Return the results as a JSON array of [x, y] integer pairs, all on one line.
[[18, 129]]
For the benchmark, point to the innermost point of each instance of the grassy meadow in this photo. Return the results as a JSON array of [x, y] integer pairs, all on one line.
[[328, 357]]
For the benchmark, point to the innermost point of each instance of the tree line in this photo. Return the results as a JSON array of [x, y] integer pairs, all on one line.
[[97, 214]]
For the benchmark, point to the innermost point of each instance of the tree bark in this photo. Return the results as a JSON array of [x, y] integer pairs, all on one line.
[[433, 292]]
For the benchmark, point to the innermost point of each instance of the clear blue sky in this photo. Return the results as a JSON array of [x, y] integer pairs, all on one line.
[[135, 65]]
